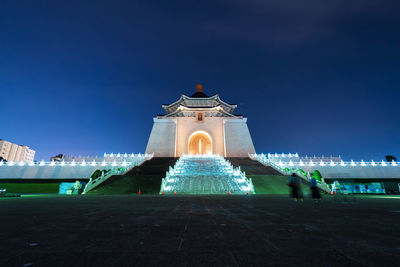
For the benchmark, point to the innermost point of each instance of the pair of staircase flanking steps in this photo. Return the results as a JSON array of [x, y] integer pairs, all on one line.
[[147, 177]]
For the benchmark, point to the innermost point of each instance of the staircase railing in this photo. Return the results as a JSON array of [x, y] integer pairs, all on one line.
[[93, 183], [304, 175]]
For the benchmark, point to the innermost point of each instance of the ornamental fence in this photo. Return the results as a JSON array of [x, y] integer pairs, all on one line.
[[121, 161], [64, 169]]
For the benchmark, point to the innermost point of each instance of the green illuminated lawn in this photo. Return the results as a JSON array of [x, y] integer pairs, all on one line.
[[272, 184], [148, 184], [30, 188]]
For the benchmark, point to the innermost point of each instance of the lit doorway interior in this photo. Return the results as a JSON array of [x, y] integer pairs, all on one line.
[[200, 143]]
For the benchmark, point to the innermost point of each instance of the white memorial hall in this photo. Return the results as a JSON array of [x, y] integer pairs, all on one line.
[[200, 146], [200, 124]]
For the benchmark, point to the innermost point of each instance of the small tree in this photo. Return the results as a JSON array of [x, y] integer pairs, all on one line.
[[390, 158], [96, 174], [317, 175], [302, 172], [58, 158]]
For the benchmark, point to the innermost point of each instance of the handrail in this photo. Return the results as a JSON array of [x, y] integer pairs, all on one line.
[[321, 184], [95, 182]]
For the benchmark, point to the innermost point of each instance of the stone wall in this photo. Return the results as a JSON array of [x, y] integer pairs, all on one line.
[[230, 136], [237, 138], [48, 172], [162, 138], [332, 169], [65, 170], [355, 172]]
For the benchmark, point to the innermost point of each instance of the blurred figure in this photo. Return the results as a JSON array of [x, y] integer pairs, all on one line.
[[314, 189], [295, 188]]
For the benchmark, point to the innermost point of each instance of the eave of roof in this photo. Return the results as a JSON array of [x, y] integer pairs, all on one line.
[[183, 108], [185, 97]]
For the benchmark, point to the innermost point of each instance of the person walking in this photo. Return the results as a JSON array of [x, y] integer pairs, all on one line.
[[295, 189], [314, 189]]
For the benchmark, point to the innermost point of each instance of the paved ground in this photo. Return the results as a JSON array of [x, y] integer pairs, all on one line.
[[224, 230]]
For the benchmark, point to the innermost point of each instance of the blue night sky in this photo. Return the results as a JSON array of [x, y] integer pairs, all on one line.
[[314, 77]]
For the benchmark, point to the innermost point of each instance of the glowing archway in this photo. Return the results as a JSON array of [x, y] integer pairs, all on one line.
[[200, 142]]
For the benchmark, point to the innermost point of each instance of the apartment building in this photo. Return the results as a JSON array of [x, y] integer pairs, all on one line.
[[14, 152]]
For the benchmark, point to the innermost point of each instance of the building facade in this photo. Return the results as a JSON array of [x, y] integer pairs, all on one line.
[[14, 152], [200, 124]]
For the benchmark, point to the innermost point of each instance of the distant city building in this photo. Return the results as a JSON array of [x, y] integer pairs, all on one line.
[[14, 152]]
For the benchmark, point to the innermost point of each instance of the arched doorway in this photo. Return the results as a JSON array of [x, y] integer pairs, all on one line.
[[200, 142]]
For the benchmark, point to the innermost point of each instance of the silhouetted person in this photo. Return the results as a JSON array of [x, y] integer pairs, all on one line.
[[314, 189], [295, 188]]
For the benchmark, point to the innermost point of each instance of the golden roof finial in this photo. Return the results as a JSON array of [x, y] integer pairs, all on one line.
[[199, 88]]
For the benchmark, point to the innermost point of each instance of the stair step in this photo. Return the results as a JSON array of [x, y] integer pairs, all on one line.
[[211, 174]]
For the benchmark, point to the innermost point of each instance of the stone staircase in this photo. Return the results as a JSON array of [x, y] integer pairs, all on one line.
[[251, 167], [205, 174], [146, 177]]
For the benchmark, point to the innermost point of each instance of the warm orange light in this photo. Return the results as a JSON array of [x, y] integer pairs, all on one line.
[[200, 143], [199, 88]]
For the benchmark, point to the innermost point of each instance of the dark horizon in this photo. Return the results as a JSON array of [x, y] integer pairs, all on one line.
[[313, 78]]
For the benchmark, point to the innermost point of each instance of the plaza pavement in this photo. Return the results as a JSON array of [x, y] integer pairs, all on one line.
[[131, 230]]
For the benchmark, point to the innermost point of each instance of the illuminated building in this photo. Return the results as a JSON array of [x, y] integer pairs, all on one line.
[[200, 124]]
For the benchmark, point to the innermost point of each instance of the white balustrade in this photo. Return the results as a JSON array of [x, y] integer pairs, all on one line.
[[114, 163], [331, 169], [291, 163], [70, 168], [125, 166]]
